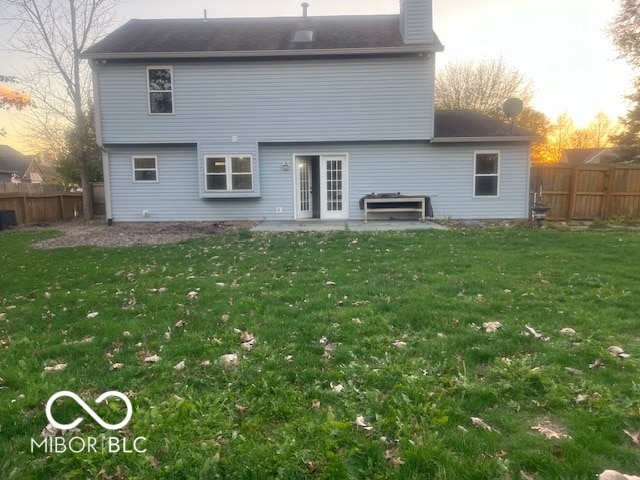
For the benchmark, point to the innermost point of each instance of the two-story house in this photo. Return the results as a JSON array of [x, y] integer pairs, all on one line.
[[292, 118]]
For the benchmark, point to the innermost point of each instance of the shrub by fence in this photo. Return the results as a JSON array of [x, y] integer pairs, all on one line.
[[587, 192]]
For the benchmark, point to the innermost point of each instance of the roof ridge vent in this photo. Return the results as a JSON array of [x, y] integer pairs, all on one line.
[[304, 6]]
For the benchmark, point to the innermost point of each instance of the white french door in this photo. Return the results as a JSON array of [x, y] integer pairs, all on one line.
[[304, 199], [329, 199], [333, 187]]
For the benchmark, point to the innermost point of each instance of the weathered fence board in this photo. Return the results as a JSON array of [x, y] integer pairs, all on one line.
[[587, 192], [44, 207]]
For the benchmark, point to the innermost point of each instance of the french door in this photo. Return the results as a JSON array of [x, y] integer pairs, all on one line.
[[324, 197]]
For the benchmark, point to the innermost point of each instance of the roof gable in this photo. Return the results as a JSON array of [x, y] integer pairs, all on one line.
[[12, 161], [257, 36]]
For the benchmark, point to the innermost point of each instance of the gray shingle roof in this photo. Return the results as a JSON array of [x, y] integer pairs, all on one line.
[[260, 36], [461, 125], [12, 161]]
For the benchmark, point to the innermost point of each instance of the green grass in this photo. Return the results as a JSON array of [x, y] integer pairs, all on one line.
[[276, 414]]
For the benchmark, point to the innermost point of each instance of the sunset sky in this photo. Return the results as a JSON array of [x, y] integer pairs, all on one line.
[[562, 45]]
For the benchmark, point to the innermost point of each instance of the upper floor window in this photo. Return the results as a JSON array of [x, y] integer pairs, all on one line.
[[486, 174], [145, 169], [160, 89], [228, 173]]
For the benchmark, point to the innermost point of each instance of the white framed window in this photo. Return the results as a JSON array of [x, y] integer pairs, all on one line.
[[145, 169], [486, 173], [228, 173], [160, 90]]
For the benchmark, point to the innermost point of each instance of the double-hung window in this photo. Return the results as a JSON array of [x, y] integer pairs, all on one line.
[[160, 90], [145, 169], [486, 173], [228, 173]]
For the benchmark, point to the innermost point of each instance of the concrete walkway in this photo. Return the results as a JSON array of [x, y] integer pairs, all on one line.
[[355, 226]]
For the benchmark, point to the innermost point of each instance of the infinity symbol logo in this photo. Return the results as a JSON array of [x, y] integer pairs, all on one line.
[[86, 408]]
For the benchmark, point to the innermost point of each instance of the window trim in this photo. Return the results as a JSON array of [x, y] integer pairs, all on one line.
[[134, 169], [476, 175], [228, 159], [149, 91]]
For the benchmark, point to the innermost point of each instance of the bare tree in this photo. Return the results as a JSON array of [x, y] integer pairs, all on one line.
[[53, 33], [481, 86]]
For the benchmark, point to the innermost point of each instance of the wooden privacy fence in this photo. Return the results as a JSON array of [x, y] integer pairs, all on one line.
[[587, 192], [34, 203]]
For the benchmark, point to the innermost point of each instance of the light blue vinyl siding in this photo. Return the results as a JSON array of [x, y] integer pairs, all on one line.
[[443, 171], [273, 101]]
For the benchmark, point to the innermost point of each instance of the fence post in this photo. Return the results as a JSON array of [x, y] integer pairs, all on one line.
[[606, 200]]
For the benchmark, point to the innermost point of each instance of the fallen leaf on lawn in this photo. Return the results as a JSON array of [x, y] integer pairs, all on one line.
[[331, 347], [50, 431], [56, 368], [337, 388], [192, 294], [330, 283], [568, 331], [615, 475], [205, 363], [129, 303], [478, 422], [288, 358], [92, 314], [221, 284], [248, 345], [462, 429], [624, 355], [315, 405], [225, 317], [116, 366], [597, 363], [240, 408], [47, 295], [126, 334], [152, 359], [246, 337], [399, 344], [180, 324], [179, 366], [535, 333], [581, 398], [634, 436], [228, 360], [326, 356], [550, 431], [393, 457], [3, 316], [360, 422], [491, 327], [614, 350]]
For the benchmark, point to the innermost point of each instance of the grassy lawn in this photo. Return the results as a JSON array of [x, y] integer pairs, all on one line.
[[370, 357]]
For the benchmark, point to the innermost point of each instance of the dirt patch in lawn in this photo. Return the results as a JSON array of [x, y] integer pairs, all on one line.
[[75, 234]]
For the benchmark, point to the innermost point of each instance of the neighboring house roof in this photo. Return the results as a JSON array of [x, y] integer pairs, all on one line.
[[12, 162], [590, 155], [470, 126], [232, 37]]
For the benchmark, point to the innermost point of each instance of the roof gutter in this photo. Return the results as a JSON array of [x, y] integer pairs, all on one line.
[[423, 49], [494, 139]]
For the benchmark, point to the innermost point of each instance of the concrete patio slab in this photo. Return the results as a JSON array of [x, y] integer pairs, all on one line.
[[334, 225]]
